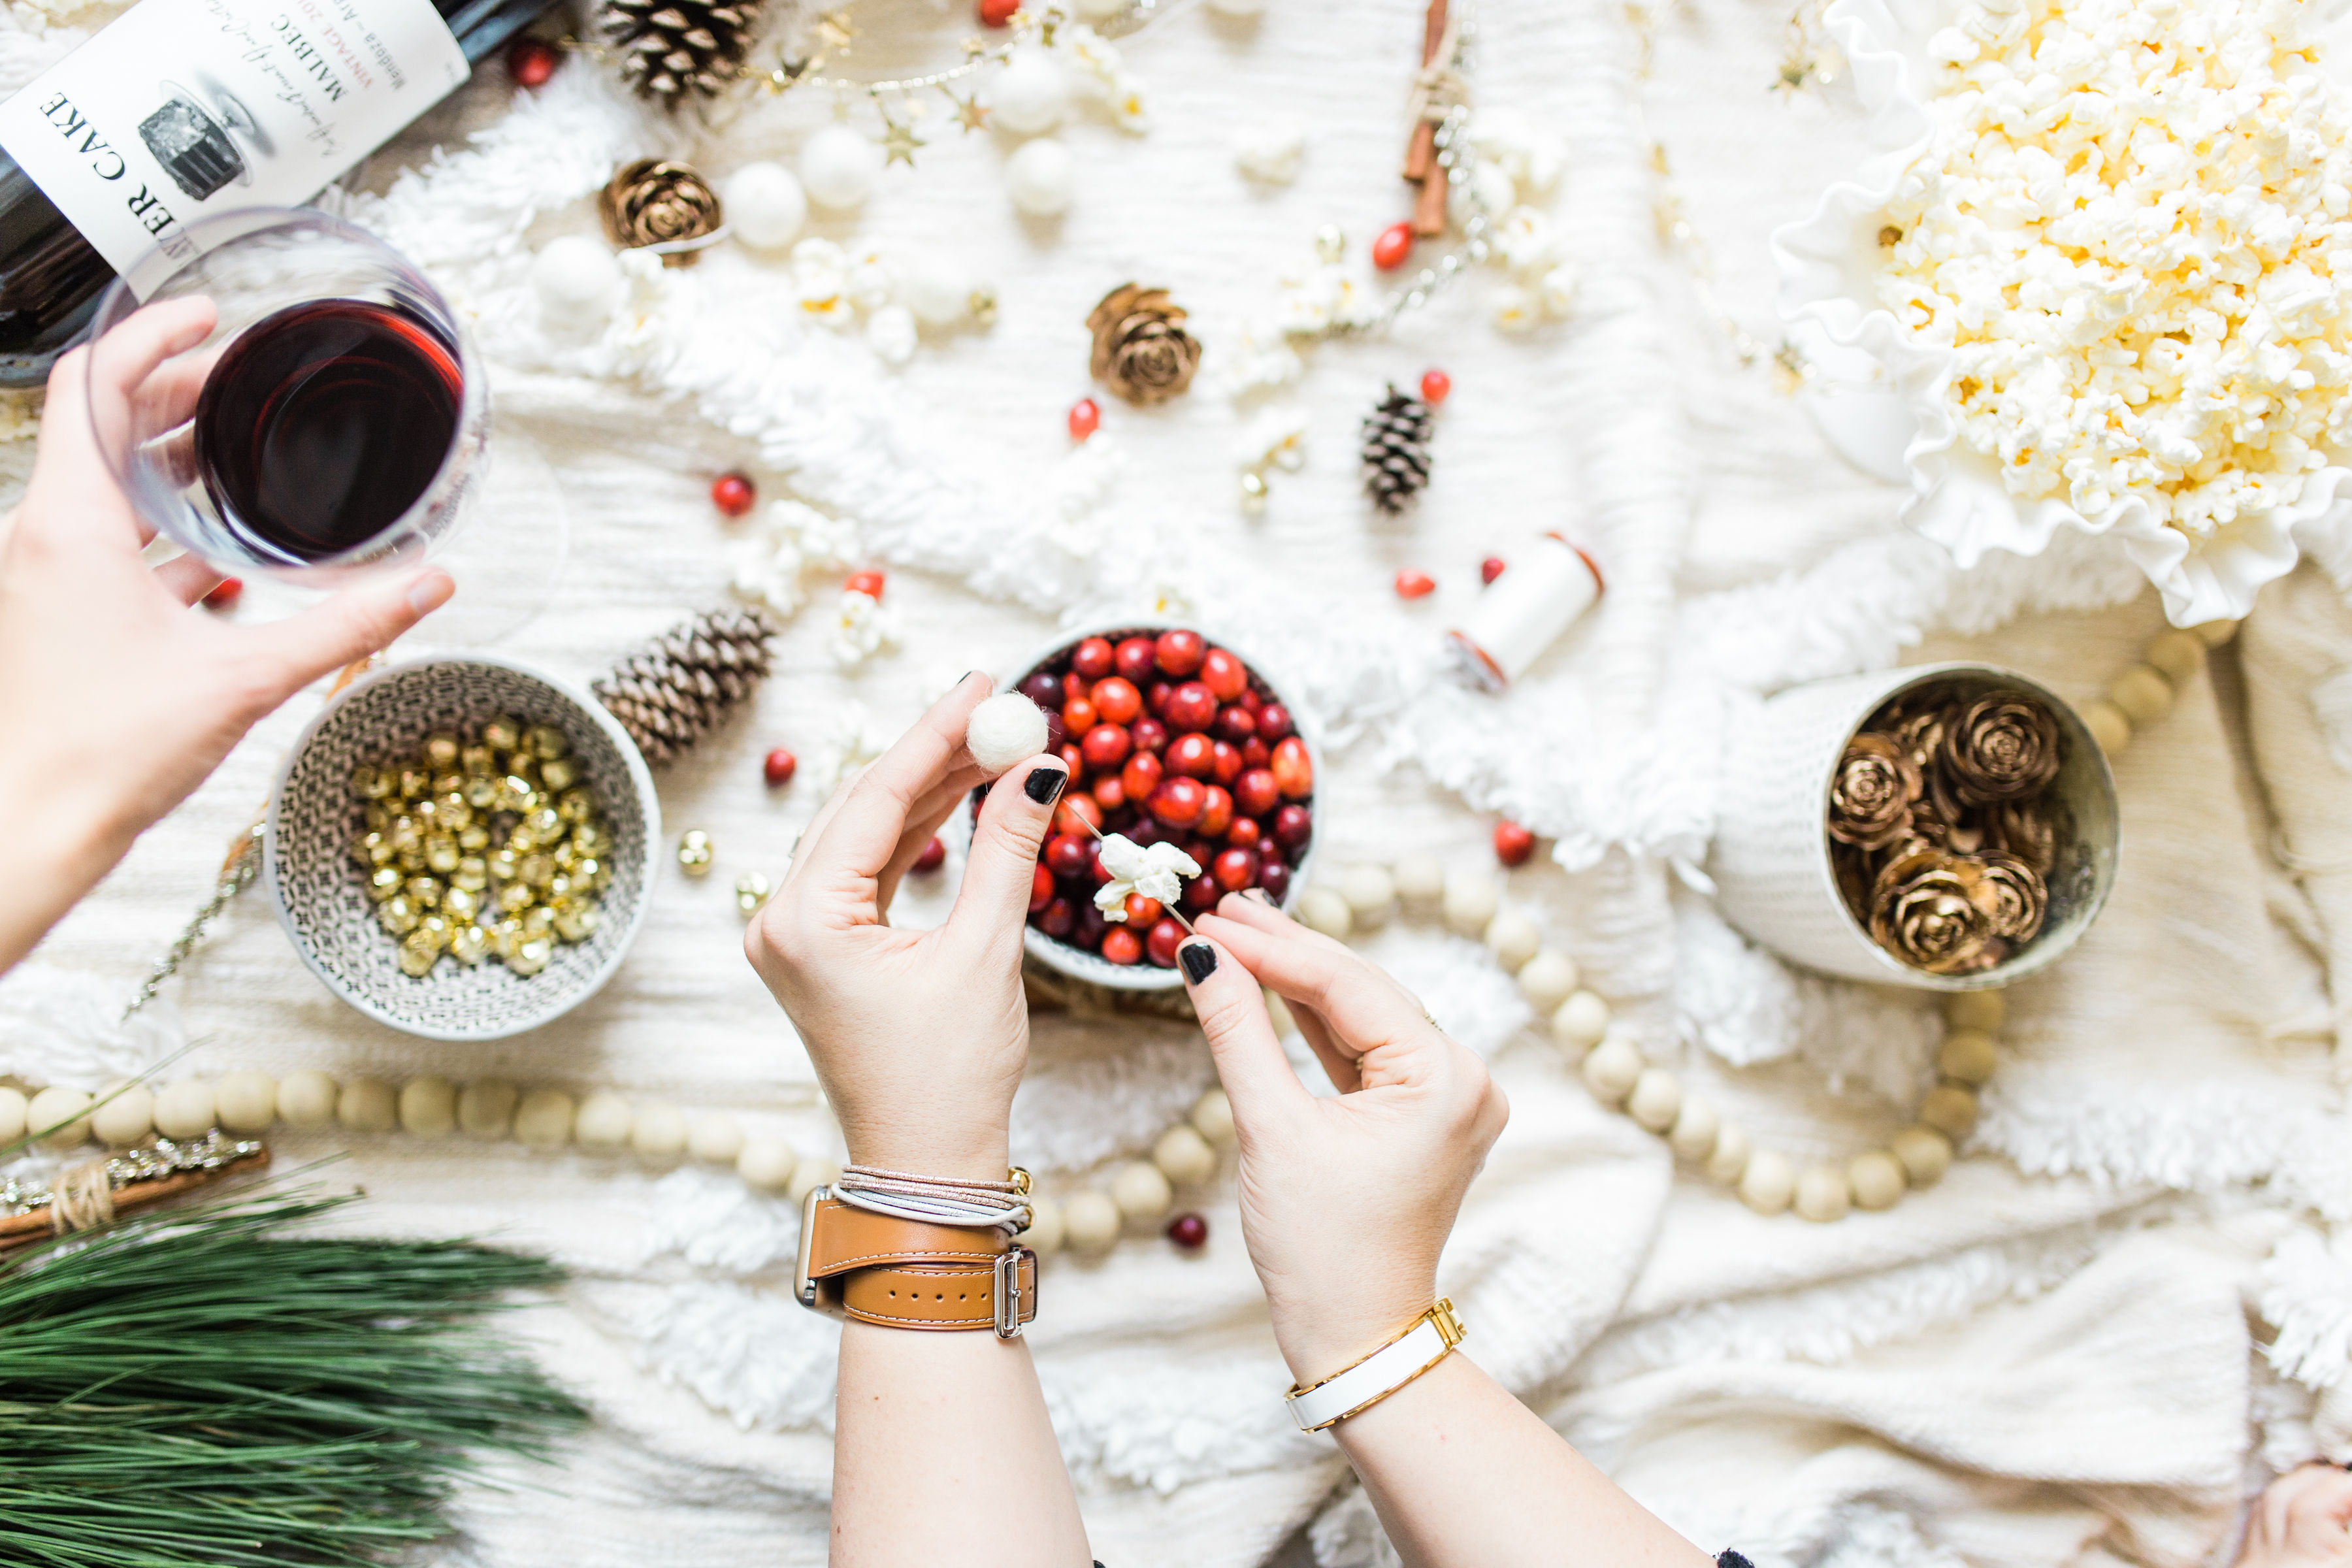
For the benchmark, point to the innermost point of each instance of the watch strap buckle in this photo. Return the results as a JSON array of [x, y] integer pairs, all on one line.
[[1008, 1290]]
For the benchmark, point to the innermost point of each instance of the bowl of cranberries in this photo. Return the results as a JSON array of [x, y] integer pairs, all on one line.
[[1168, 736]]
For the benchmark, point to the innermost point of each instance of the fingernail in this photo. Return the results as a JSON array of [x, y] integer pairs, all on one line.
[[1200, 960], [1259, 894], [1045, 786], [430, 592]]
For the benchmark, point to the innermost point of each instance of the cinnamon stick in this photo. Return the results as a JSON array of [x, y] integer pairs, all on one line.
[[1421, 166]]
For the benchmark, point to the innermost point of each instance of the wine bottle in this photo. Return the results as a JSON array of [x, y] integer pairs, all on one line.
[[184, 109]]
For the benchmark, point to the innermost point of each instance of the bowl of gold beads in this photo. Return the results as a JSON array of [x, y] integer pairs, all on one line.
[[460, 847]]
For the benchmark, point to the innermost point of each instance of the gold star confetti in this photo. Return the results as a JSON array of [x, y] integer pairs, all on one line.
[[898, 143], [970, 113], [788, 73], [836, 29]]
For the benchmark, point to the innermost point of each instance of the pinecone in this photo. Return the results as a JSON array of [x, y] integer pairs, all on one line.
[[691, 677], [1396, 451], [671, 47]]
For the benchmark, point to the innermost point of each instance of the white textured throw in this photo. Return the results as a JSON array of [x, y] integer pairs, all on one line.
[[2047, 1359]]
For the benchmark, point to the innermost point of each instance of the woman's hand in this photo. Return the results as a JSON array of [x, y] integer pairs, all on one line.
[[1346, 1203], [918, 1037], [2301, 1520], [116, 699]]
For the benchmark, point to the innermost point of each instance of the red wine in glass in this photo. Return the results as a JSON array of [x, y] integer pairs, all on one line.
[[322, 425]]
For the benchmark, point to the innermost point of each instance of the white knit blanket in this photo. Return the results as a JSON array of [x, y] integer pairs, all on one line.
[[2126, 1306]]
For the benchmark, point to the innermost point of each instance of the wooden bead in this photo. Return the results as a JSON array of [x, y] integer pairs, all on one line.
[[716, 1139], [1212, 1117], [767, 1163], [1877, 1178], [1728, 1162], [306, 1099], [1925, 1155], [1045, 1233], [366, 1105], [543, 1120], [2177, 654], [1371, 893], [184, 1110], [126, 1115], [603, 1120], [1950, 1108], [1513, 939], [1769, 1183], [62, 1109], [12, 1114], [808, 1177], [2107, 724], [2213, 634], [1470, 901], [1579, 1024], [246, 1102], [1277, 1013], [1967, 1057], [428, 1107], [1657, 1099], [658, 1132], [1141, 1190], [1821, 1195], [1090, 1221], [1694, 1132], [1986, 1010], [1612, 1070], [486, 1110], [1548, 979], [1323, 909], [1419, 879], [2143, 694], [1184, 1156]]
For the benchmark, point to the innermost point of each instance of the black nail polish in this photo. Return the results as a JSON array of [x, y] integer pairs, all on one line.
[[1200, 960], [1259, 894], [1045, 786]]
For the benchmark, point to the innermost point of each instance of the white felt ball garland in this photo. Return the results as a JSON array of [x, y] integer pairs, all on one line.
[[839, 168], [1005, 730], [765, 205], [1042, 177], [1030, 95], [577, 280]]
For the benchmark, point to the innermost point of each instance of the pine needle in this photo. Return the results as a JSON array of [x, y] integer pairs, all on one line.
[[201, 1389]]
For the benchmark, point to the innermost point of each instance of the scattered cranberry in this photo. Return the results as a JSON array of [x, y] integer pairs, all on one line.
[[1434, 385], [779, 767], [1413, 584], [1201, 894], [1161, 946], [1490, 568], [1250, 700], [1236, 724], [1078, 716], [732, 494], [1120, 946], [1293, 827], [1141, 912], [1138, 658], [866, 582], [1216, 814], [1225, 676], [531, 61], [1077, 815], [1156, 696], [1191, 755], [934, 856], [1256, 752], [1072, 758], [1043, 690], [1066, 855], [1189, 1231], [1513, 843], [1105, 746], [1191, 707], [224, 593], [1179, 802], [1256, 793], [998, 13], [1394, 244], [1091, 659], [1086, 929], [1142, 775], [1150, 734], [1115, 699], [1059, 918], [1041, 887], [1077, 684], [1274, 878], [1108, 792], [1085, 418], [1234, 869], [1273, 722], [1294, 770], [1225, 762], [1244, 833], [1179, 652]]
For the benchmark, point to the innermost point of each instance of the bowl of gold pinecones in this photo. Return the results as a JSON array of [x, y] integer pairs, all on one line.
[[1950, 826]]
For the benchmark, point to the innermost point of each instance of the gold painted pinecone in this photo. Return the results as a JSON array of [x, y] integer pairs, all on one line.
[[657, 201], [2002, 746], [693, 676], [1872, 795], [670, 48], [1938, 913], [1141, 349]]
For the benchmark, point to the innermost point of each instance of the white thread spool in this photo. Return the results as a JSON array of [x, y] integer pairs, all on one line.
[[1542, 592]]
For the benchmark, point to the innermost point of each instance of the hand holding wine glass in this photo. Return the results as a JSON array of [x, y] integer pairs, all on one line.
[[116, 699]]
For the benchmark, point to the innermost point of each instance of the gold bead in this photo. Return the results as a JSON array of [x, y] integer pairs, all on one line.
[[590, 839], [547, 743], [545, 823], [576, 805], [502, 733], [472, 874], [414, 782], [503, 864], [560, 774], [578, 920], [537, 869], [424, 892], [514, 793], [419, 952], [473, 840], [505, 936], [538, 921], [468, 943], [530, 955], [694, 853], [750, 892], [516, 896], [371, 783], [441, 750], [461, 903], [385, 883], [441, 853], [477, 762], [397, 916], [456, 812], [590, 872], [405, 835], [372, 849]]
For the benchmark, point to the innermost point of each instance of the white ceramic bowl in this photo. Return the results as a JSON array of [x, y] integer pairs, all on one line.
[[321, 896]]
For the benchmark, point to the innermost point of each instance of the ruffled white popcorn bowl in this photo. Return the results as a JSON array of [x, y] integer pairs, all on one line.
[[1829, 267]]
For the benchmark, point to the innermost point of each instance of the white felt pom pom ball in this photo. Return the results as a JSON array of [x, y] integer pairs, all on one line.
[[1238, 8], [839, 167], [937, 288], [1030, 95], [765, 205], [1042, 177], [1005, 730], [576, 279]]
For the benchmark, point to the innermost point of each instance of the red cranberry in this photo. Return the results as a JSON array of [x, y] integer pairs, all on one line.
[[1044, 690], [1144, 830], [1434, 385], [1066, 855], [1274, 877], [1250, 700], [1092, 657], [1075, 686], [1105, 746], [1141, 775], [1137, 658], [1491, 568], [1109, 793], [866, 582], [1293, 827], [1086, 414], [1072, 758], [1141, 912], [1413, 584], [1216, 814], [1273, 722], [1189, 1231], [1513, 843], [1191, 755], [1117, 699], [1244, 833], [1256, 753], [1236, 724], [1394, 244], [1201, 894], [1120, 946], [779, 767], [1041, 887], [1095, 870], [1077, 815], [531, 61], [732, 494], [1086, 929], [1078, 716], [1179, 652], [1234, 869], [1191, 706], [1294, 770], [1058, 919], [1178, 801], [1161, 946], [1156, 696], [997, 13], [1256, 793], [1228, 763], [1223, 674], [1199, 850], [933, 856], [224, 593], [1150, 734]]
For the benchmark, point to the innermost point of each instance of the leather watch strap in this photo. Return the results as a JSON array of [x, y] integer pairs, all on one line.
[[904, 1274]]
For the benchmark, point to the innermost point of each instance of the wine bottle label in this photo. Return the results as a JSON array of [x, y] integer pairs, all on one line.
[[185, 109]]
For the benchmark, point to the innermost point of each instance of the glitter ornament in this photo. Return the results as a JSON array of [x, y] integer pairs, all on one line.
[[1004, 730], [577, 280], [839, 168], [765, 205], [694, 853], [1042, 178], [1030, 95]]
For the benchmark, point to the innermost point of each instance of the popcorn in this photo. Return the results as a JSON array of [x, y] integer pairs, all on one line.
[[1155, 870], [2126, 226]]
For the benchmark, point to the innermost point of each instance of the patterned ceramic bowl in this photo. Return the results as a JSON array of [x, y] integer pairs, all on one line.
[[322, 894]]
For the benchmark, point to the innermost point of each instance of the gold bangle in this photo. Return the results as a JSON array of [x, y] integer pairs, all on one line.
[[1311, 1417]]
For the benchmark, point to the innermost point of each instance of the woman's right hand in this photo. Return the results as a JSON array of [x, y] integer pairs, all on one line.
[[1346, 1203]]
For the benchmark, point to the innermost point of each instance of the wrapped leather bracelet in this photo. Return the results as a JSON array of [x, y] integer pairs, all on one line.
[[903, 1273]]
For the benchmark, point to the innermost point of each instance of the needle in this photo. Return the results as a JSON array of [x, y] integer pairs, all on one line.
[[1100, 838]]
